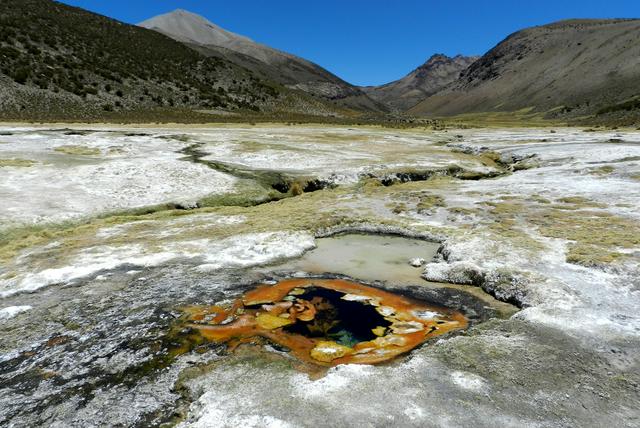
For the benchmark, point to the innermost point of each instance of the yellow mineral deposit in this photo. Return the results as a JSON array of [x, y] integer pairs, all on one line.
[[327, 321]]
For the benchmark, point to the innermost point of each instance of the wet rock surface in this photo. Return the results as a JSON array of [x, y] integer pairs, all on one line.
[[107, 343], [73, 357]]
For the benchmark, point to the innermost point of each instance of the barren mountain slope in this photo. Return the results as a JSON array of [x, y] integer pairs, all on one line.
[[282, 67], [58, 61], [576, 67], [439, 71]]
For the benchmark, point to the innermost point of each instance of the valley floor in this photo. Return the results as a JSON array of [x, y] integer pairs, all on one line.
[[107, 233]]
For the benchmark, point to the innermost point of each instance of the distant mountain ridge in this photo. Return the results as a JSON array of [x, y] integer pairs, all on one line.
[[426, 80], [282, 67], [63, 62], [565, 69]]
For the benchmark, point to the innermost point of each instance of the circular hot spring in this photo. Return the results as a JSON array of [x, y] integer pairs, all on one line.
[[326, 321]]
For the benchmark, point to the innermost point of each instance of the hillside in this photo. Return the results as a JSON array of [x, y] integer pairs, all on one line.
[[426, 80], [58, 61], [567, 69], [284, 68]]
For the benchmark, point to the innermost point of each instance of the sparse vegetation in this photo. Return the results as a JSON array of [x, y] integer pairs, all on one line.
[[625, 106], [596, 235], [71, 63], [19, 163], [428, 202], [602, 170], [77, 150]]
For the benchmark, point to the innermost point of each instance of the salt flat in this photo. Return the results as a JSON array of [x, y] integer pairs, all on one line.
[[84, 174], [90, 286]]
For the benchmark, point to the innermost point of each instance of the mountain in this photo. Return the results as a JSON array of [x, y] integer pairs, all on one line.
[[58, 61], [566, 69], [426, 80], [284, 68]]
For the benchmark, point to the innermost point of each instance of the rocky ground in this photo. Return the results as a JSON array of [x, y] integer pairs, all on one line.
[[107, 234]]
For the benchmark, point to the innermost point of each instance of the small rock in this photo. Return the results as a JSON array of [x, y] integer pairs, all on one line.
[[329, 351], [417, 262], [186, 205]]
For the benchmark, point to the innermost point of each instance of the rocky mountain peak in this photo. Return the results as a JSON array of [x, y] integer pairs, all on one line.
[[188, 26]]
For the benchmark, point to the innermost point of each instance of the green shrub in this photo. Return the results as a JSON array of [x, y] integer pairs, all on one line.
[[21, 75]]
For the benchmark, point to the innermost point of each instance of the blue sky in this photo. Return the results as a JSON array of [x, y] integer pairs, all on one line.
[[372, 41]]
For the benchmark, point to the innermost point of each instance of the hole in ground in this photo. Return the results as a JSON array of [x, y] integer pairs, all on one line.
[[327, 321], [346, 322]]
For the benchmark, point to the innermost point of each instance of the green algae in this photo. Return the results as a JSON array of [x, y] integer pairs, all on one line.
[[626, 159], [540, 199], [246, 193], [525, 165], [312, 212], [578, 202], [77, 150], [513, 220], [397, 208], [602, 170], [15, 240], [463, 211], [16, 163], [182, 138], [596, 236], [116, 151], [261, 147], [510, 220], [263, 209], [82, 234], [429, 201], [592, 255], [424, 201], [331, 137]]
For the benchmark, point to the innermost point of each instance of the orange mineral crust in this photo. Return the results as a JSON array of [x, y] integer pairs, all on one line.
[[327, 321]]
